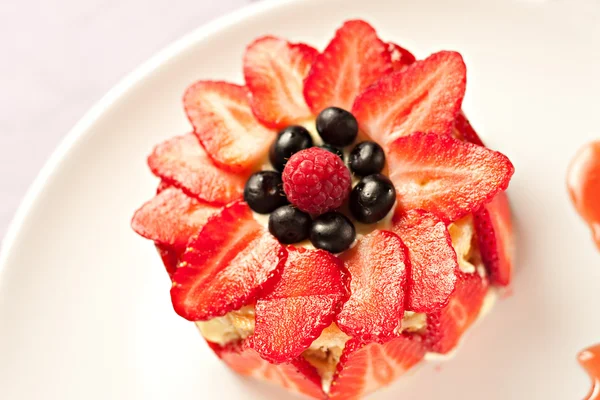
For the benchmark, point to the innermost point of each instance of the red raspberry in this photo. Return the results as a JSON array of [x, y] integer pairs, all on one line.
[[316, 181]]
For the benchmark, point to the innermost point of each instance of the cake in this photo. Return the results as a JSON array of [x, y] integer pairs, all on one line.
[[336, 220]]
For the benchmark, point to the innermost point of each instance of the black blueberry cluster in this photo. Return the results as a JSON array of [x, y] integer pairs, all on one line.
[[370, 200]]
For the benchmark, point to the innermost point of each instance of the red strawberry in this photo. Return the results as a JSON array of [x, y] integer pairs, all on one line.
[[446, 326], [183, 163], [274, 71], [223, 121], [302, 303], [425, 97], [169, 257], [401, 58], [365, 368], [377, 266], [171, 218], [445, 176], [354, 59], [297, 376], [433, 263], [493, 225], [226, 265], [464, 130]]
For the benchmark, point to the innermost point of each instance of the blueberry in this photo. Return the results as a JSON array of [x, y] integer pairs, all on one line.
[[289, 225], [289, 141], [337, 127], [366, 158], [333, 150], [372, 198], [333, 232], [264, 192]]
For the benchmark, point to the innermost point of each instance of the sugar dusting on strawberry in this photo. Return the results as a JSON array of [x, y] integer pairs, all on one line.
[[302, 303], [445, 176], [353, 60], [222, 119], [171, 218], [433, 262], [274, 70], [425, 97], [182, 162], [377, 267], [226, 265]]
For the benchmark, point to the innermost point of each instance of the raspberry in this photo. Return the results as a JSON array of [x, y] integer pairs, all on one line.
[[316, 181]]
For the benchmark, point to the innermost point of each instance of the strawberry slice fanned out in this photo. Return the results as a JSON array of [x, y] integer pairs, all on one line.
[[493, 225], [365, 368], [433, 262], [171, 218], [300, 305], [297, 375], [223, 121], [445, 176], [226, 265], [182, 162], [446, 326], [377, 267], [353, 60], [425, 97], [274, 70], [401, 58]]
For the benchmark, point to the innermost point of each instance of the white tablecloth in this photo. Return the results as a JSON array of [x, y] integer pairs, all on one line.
[[59, 57]]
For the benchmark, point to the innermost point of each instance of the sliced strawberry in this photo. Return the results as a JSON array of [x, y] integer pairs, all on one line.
[[401, 58], [223, 121], [274, 71], [445, 176], [433, 263], [425, 97], [446, 327], [183, 163], [463, 130], [171, 218], [377, 267], [297, 376], [302, 303], [226, 265], [354, 59], [169, 257], [493, 225], [365, 368]]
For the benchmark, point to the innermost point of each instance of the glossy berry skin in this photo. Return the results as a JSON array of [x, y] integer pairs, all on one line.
[[333, 150], [366, 158], [372, 198], [337, 127], [316, 181], [289, 225], [289, 141], [333, 232], [263, 192]]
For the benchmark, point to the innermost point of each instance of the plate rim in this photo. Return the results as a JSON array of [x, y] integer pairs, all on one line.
[[82, 127]]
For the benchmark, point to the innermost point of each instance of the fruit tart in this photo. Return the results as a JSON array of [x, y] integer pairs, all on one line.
[[335, 220]]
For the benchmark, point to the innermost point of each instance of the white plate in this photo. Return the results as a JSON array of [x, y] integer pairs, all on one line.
[[84, 303]]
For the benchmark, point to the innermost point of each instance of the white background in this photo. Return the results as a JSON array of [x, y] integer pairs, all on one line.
[[60, 57]]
